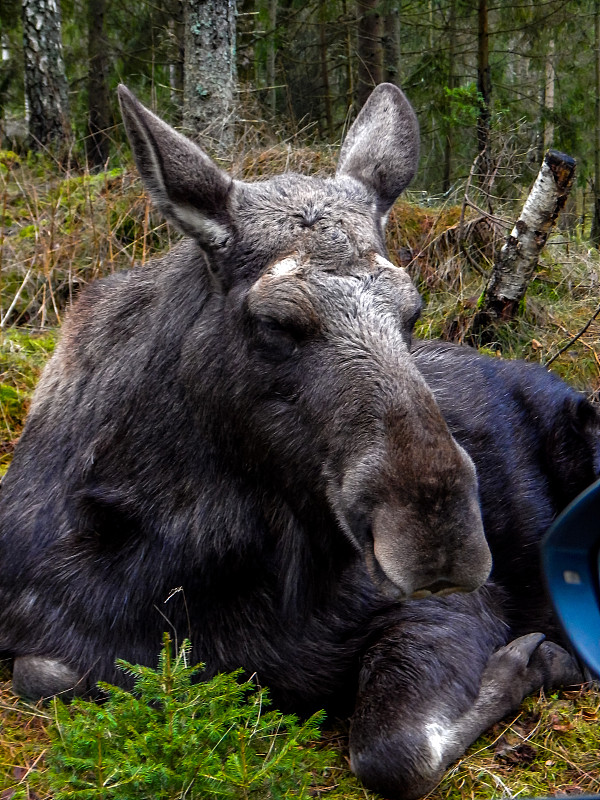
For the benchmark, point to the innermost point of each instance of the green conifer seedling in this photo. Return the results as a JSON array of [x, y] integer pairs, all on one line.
[[173, 737]]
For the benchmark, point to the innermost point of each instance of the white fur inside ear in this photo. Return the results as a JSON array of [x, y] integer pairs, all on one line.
[[284, 267], [194, 223]]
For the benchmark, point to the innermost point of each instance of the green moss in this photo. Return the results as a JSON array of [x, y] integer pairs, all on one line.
[[8, 160], [23, 355], [28, 232]]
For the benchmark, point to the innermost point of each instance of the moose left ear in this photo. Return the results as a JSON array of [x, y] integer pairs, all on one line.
[[381, 149], [186, 185]]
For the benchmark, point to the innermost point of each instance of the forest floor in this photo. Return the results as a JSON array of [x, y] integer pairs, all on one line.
[[58, 232]]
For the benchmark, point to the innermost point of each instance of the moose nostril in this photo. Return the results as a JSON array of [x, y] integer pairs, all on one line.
[[439, 588]]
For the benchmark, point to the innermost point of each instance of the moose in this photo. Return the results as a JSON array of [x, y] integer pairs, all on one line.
[[242, 441]]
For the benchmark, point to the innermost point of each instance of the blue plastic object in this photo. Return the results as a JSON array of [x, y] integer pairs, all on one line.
[[571, 560]]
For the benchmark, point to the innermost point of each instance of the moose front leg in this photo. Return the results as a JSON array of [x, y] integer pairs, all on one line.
[[436, 679]]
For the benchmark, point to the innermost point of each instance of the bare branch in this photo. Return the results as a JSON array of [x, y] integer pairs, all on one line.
[[572, 341]]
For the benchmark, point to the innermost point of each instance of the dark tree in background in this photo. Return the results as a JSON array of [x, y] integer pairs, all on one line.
[[484, 88], [392, 53], [595, 233], [210, 90], [369, 51], [46, 87], [492, 83], [97, 143]]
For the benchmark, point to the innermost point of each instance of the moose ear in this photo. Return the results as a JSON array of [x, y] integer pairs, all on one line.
[[381, 149], [186, 185]]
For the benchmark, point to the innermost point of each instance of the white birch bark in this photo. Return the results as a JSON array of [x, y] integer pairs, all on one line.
[[46, 89], [549, 87], [518, 258]]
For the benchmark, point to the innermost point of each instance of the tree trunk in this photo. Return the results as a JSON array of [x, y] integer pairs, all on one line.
[[272, 91], [46, 89], [370, 49], [176, 30], [391, 47], [325, 88], [518, 258], [348, 51], [451, 34], [97, 144], [484, 87], [549, 81], [595, 233], [210, 74]]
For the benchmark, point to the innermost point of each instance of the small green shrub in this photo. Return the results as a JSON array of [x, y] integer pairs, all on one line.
[[174, 738]]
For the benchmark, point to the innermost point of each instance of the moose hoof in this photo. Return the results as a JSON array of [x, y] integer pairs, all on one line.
[[36, 677], [529, 663]]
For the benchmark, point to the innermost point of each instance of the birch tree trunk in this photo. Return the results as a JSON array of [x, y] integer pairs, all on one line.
[[46, 88], [518, 258], [549, 92], [210, 74]]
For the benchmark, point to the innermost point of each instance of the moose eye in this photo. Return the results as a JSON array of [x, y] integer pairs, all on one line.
[[275, 341]]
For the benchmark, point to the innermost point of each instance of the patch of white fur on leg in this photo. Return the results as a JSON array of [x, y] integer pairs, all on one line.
[[440, 738], [36, 677]]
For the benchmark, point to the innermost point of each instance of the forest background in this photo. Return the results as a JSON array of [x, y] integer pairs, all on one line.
[[494, 85], [525, 73]]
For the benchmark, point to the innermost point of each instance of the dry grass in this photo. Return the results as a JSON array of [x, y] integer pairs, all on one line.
[[551, 747], [24, 741], [59, 231]]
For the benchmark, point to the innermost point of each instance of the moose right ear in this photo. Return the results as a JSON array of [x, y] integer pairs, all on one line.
[[381, 149], [186, 185]]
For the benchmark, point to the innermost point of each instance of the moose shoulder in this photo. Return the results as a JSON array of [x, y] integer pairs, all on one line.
[[243, 420]]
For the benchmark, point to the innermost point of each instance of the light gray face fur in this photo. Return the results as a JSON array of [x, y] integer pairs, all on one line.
[[311, 301]]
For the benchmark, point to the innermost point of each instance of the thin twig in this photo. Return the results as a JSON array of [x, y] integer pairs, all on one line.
[[15, 299], [574, 339], [466, 197], [503, 223]]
